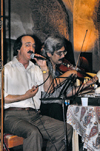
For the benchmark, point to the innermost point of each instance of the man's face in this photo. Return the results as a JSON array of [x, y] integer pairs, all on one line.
[[58, 56], [27, 48]]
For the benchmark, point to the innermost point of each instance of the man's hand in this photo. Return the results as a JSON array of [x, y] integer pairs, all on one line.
[[74, 72], [41, 63], [31, 93], [16, 98], [68, 73], [93, 80]]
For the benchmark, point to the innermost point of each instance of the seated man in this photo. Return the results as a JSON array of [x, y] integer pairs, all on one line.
[[23, 84], [54, 50]]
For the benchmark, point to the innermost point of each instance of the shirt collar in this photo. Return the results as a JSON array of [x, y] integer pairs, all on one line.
[[16, 62]]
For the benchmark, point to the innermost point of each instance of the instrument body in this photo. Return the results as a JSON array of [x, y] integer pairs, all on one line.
[[66, 66]]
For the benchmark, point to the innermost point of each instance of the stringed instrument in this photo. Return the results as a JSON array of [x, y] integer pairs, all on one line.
[[66, 65]]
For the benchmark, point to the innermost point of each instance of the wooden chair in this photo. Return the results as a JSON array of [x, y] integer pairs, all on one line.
[[11, 141]]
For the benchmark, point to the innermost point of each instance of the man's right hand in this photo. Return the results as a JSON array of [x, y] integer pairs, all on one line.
[[31, 92], [16, 98]]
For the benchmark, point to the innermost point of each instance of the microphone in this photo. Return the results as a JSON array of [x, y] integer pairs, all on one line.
[[37, 57]]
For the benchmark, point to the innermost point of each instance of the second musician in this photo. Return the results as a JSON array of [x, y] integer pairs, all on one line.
[[54, 51]]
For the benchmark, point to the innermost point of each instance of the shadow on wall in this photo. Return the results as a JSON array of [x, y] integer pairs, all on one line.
[[86, 61], [70, 52]]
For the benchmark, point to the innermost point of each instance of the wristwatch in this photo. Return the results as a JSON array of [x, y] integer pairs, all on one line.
[[45, 71]]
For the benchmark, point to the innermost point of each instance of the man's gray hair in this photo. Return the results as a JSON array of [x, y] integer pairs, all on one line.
[[52, 44]]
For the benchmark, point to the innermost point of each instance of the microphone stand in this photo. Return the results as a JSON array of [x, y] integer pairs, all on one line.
[[62, 97], [65, 125]]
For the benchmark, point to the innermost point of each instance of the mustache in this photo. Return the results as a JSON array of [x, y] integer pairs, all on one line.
[[30, 51], [61, 59]]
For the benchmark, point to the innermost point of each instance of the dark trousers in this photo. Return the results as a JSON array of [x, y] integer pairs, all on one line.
[[34, 127]]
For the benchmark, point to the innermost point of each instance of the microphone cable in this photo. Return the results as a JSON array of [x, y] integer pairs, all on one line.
[[43, 81], [40, 116]]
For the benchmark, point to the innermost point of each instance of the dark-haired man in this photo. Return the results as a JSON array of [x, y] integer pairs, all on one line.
[[23, 84]]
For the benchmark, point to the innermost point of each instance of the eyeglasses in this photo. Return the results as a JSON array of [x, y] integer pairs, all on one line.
[[60, 53]]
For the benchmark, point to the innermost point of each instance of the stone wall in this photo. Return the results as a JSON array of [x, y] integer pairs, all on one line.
[[70, 18]]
